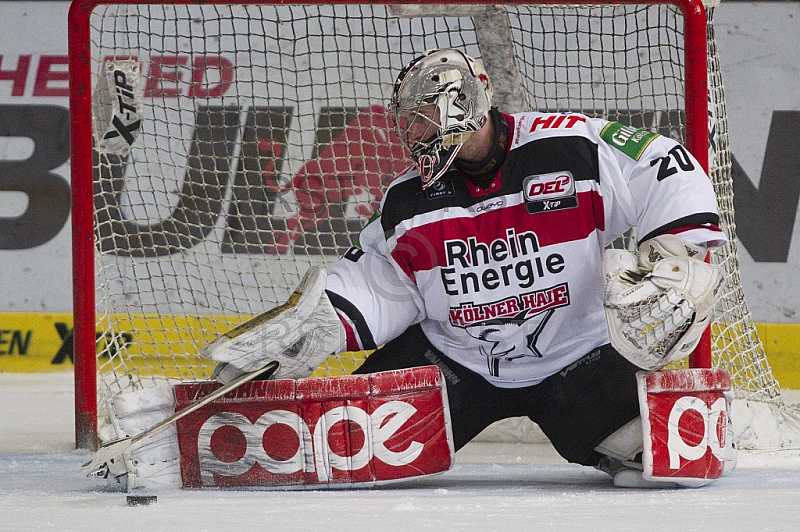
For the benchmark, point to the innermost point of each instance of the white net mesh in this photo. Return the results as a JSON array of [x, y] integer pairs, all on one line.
[[266, 145]]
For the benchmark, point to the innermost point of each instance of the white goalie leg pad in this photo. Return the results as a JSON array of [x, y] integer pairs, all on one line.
[[658, 317], [730, 450], [622, 452], [300, 335], [154, 462], [625, 443]]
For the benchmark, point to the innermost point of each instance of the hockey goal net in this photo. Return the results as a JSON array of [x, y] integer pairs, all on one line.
[[220, 150]]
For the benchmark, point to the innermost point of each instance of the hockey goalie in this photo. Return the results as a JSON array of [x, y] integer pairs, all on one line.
[[485, 290]]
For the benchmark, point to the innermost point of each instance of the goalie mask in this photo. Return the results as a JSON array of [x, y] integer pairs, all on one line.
[[439, 100]]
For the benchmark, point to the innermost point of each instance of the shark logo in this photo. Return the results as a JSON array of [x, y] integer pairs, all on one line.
[[510, 338], [510, 327]]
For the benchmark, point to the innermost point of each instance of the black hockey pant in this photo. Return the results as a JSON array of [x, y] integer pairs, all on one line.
[[577, 408]]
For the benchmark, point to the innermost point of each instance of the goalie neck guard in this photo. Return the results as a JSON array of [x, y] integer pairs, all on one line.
[[439, 99]]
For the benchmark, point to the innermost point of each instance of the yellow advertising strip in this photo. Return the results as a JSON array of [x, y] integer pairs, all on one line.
[[35, 342], [42, 342], [782, 346]]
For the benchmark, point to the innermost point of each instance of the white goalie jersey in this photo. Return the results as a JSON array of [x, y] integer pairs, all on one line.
[[508, 280]]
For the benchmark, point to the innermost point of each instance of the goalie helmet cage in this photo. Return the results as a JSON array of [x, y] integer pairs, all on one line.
[[219, 150]]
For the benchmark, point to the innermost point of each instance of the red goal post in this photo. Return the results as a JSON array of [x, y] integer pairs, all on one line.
[[137, 265]]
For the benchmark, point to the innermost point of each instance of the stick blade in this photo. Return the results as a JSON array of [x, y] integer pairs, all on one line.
[[115, 448], [105, 453]]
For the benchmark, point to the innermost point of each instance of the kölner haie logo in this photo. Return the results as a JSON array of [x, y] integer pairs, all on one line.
[[549, 192], [510, 327], [509, 338]]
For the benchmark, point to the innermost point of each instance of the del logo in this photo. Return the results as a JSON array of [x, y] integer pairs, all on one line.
[[549, 192]]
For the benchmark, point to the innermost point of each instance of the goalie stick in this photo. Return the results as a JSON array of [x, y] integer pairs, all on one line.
[[115, 448]]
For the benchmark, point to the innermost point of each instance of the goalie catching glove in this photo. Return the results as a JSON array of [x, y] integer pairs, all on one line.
[[659, 304], [299, 335]]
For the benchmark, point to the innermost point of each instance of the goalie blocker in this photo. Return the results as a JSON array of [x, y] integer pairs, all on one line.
[[357, 430]]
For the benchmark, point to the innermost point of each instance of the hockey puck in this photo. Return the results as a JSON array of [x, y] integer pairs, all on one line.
[[141, 500]]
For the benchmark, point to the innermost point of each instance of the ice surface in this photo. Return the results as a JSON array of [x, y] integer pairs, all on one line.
[[503, 487]]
